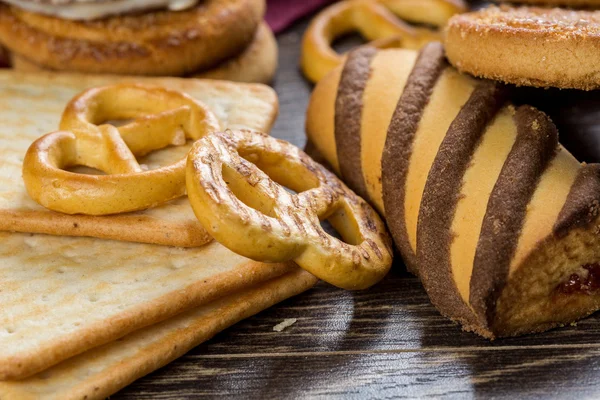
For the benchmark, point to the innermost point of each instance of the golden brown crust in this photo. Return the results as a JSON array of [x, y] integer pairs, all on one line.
[[531, 303], [528, 46], [160, 118], [21, 64], [102, 371], [257, 63], [155, 43], [246, 207], [184, 233], [203, 274]]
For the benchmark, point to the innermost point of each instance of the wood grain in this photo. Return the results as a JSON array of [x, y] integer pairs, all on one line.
[[385, 342], [388, 341], [415, 374]]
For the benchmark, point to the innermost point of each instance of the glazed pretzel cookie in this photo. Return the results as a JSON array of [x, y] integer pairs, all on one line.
[[377, 21], [160, 118], [528, 46], [251, 213]]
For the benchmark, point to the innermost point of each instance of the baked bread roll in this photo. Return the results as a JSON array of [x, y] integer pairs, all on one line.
[[498, 220]]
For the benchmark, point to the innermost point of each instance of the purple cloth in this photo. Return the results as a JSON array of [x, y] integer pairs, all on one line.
[[282, 13]]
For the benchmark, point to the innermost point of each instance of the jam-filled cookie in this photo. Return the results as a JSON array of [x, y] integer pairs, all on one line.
[[499, 221], [528, 46]]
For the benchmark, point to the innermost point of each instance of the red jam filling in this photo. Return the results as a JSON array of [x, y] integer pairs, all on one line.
[[578, 284]]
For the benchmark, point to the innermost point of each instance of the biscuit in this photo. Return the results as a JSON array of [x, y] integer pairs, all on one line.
[[568, 3], [102, 371], [62, 296], [257, 63], [32, 105], [152, 43], [527, 46]]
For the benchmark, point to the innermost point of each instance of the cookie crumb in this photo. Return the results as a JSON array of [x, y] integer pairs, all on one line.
[[285, 324]]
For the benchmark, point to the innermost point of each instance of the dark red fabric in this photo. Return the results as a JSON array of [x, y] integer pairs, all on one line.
[[282, 13]]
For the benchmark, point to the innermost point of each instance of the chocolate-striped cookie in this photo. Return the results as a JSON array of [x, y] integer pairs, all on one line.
[[498, 220], [528, 46]]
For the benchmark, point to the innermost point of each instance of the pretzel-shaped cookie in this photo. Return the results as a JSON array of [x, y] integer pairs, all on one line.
[[377, 21], [252, 214], [161, 118]]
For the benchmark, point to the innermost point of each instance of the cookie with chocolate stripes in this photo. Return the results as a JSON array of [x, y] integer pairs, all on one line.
[[527, 46], [499, 221]]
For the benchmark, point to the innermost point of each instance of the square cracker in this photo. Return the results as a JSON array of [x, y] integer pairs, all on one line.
[[102, 371], [61, 296], [31, 105]]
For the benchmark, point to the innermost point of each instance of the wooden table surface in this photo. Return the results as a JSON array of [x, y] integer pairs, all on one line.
[[388, 341]]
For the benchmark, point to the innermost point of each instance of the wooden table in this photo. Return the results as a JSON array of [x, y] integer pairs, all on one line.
[[385, 342]]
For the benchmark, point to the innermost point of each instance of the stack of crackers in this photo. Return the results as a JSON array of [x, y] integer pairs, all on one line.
[[90, 304]]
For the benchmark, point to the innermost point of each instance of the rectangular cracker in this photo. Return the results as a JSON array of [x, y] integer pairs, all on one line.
[[31, 106], [102, 371], [60, 296]]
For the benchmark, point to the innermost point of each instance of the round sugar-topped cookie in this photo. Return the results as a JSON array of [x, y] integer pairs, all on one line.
[[568, 3], [528, 46]]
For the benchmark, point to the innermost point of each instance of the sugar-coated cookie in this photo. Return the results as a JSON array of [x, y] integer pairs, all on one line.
[[528, 46], [568, 3]]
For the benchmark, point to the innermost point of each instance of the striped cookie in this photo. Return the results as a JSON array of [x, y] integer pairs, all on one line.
[[497, 219]]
